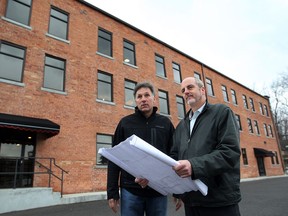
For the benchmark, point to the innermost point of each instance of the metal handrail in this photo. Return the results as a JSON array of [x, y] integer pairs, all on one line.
[[36, 160]]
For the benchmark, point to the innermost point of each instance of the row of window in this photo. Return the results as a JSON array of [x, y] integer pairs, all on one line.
[[254, 128], [274, 159], [20, 12]]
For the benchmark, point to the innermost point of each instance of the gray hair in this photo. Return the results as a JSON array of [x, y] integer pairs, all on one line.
[[143, 85], [199, 82]]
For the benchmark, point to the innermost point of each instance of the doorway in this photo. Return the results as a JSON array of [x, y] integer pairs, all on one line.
[[17, 151], [261, 166]]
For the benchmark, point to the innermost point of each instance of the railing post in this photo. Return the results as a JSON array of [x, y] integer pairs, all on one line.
[[15, 174]]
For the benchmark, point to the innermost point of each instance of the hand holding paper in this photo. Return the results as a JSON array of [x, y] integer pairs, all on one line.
[[142, 160]]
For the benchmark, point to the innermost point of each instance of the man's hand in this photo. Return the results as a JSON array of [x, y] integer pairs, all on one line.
[[183, 169], [142, 182], [114, 204]]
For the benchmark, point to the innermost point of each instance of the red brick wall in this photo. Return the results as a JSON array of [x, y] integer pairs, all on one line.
[[78, 113]]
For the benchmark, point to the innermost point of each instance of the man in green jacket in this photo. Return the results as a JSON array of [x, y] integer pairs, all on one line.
[[206, 144]]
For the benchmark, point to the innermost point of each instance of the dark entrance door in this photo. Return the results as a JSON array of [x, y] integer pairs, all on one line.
[[261, 166], [17, 150]]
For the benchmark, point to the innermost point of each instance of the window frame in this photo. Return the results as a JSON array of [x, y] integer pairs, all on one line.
[[224, 93], [182, 105], [10, 17], [209, 86], [98, 156], [110, 87], [197, 75], [234, 97], [250, 126], [23, 59], [162, 100], [176, 72], [105, 39], [245, 102], [131, 51], [160, 65], [54, 67], [51, 27], [131, 91], [244, 156], [238, 121]]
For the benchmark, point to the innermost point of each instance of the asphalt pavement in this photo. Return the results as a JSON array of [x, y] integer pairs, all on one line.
[[261, 197]]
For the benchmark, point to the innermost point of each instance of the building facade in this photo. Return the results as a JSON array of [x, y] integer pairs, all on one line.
[[67, 73]]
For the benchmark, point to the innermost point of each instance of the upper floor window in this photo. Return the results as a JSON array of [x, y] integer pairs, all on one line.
[[58, 25], [244, 156], [209, 87], [225, 94], [177, 72], [234, 97], [256, 128], [261, 108], [245, 101], [160, 66], [266, 129], [180, 106], [105, 91], [252, 104], [270, 131], [163, 102], [129, 89], [102, 141], [19, 11], [197, 75], [12, 59], [104, 42], [266, 110], [238, 121], [54, 73], [129, 52], [250, 128]]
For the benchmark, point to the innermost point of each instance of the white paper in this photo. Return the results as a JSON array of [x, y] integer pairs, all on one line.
[[142, 160]]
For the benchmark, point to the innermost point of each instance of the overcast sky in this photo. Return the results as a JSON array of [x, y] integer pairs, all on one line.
[[246, 40]]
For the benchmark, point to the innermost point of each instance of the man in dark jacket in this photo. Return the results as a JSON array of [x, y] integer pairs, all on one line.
[[206, 143], [154, 129]]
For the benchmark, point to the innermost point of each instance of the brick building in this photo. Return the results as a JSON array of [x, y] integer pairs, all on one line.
[[67, 72]]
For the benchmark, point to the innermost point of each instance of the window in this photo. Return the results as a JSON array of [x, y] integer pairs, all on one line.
[[160, 66], [256, 128], [129, 89], [19, 11], [266, 110], [12, 59], [177, 72], [197, 75], [261, 108], [102, 141], [244, 156], [104, 42], [105, 87], [163, 102], [270, 131], [276, 157], [180, 106], [266, 130], [245, 101], [238, 121], [252, 104], [250, 128], [234, 98], [54, 73], [129, 52], [209, 87], [225, 94], [58, 25]]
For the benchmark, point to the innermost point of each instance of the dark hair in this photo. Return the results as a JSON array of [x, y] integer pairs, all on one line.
[[143, 85]]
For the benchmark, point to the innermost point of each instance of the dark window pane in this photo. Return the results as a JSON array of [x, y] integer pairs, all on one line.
[[19, 11], [104, 42]]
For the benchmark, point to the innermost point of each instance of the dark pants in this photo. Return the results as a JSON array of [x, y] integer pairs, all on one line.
[[232, 210]]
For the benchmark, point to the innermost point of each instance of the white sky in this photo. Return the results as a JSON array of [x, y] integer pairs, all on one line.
[[246, 40]]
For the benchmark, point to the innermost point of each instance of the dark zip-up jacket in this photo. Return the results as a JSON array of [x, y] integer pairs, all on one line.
[[156, 130], [214, 153]]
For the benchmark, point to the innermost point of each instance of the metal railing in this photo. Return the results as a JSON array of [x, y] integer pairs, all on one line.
[[47, 170]]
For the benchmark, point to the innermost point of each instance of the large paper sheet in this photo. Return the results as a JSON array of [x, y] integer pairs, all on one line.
[[142, 160]]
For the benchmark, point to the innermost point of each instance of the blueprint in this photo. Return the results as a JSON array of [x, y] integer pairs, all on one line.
[[142, 160]]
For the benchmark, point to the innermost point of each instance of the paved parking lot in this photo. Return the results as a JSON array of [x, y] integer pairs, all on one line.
[[262, 197]]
